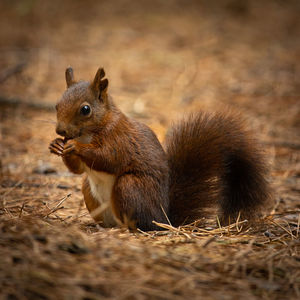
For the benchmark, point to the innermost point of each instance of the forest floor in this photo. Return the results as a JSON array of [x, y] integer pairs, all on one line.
[[162, 58]]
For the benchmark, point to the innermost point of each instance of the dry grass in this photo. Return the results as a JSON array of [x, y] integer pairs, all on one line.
[[45, 255], [162, 58]]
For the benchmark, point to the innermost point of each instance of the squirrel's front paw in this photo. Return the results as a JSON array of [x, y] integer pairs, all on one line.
[[57, 146], [69, 148]]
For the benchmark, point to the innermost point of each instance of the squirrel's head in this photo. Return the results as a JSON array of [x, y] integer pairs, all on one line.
[[82, 107]]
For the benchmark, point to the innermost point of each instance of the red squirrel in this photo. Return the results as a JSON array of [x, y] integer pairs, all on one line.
[[208, 160]]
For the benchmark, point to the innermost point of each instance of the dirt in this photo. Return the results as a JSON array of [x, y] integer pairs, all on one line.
[[162, 59]]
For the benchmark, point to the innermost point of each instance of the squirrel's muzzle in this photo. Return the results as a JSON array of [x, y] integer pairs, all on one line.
[[67, 131], [61, 132]]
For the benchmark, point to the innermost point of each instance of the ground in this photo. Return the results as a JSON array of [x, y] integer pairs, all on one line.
[[163, 59]]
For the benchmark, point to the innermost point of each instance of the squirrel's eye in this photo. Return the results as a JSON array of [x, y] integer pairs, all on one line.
[[85, 110]]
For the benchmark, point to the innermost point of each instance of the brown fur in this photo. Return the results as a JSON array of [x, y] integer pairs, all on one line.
[[210, 160], [214, 161]]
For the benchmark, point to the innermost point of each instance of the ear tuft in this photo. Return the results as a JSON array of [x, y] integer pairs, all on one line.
[[98, 85], [69, 77], [101, 73]]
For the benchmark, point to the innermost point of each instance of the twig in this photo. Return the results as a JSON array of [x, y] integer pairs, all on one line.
[[78, 217], [229, 227], [237, 223], [290, 233], [208, 241], [165, 214], [21, 209], [58, 205], [219, 223], [171, 228], [143, 232]]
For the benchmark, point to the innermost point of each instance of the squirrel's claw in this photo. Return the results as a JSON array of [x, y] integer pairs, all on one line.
[[57, 146], [60, 142], [68, 149], [54, 150]]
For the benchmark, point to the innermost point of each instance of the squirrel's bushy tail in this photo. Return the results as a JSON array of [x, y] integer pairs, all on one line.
[[214, 161]]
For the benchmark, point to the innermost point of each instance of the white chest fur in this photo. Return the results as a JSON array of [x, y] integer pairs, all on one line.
[[101, 184]]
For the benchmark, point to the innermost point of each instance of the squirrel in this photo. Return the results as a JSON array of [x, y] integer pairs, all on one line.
[[208, 160]]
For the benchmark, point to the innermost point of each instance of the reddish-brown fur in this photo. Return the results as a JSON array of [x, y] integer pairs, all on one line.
[[209, 160]]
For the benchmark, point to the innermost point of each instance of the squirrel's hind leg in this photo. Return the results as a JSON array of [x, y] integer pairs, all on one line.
[[136, 202]]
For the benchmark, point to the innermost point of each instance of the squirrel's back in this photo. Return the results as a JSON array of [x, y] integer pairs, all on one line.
[[214, 161]]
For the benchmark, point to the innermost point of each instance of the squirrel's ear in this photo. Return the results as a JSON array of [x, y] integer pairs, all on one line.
[[69, 77], [103, 85], [99, 86]]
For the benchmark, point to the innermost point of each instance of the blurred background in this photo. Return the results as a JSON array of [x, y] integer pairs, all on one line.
[[161, 56]]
